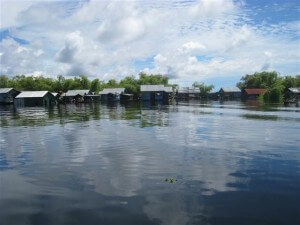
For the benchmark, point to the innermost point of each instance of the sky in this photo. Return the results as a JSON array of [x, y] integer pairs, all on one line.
[[211, 41]]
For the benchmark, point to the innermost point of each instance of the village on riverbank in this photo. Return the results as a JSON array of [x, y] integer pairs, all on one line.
[[152, 88]]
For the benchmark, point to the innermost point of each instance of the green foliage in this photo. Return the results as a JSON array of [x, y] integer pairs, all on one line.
[[290, 81], [275, 93], [171, 180], [130, 84], [4, 81], [62, 84], [259, 80], [152, 79], [84, 82], [111, 84], [31, 83], [272, 81], [95, 85], [204, 89]]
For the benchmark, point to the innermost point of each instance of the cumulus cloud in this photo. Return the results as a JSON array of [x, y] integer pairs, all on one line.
[[211, 8], [19, 59], [10, 11], [121, 31], [192, 46], [187, 40], [73, 45]]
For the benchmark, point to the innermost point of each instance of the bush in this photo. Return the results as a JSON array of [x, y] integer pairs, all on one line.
[[274, 94]]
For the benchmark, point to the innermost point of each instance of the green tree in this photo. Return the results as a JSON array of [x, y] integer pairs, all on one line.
[[59, 83], [68, 85], [267, 80], [4, 81], [291, 81], [84, 81], [153, 79], [63, 84], [259, 80], [204, 89], [95, 85], [275, 93], [130, 84], [112, 84]]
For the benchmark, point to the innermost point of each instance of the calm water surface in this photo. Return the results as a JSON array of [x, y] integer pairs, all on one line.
[[235, 163]]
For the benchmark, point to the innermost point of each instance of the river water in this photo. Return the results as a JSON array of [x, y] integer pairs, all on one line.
[[186, 163]]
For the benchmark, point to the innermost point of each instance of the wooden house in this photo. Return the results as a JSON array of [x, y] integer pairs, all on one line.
[[188, 93], [76, 96], [127, 97], [35, 98], [292, 95], [111, 94], [55, 94], [232, 93], [92, 98], [253, 93], [7, 95], [212, 95], [155, 92]]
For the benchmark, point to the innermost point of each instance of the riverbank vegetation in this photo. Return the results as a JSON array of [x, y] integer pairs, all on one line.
[[63, 84], [275, 84]]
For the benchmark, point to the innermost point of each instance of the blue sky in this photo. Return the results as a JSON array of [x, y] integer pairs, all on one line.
[[214, 41]]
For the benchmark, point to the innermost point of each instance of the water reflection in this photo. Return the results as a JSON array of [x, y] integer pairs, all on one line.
[[106, 164]]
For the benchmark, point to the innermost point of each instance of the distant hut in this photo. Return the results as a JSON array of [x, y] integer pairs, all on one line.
[[76, 95], [127, 97], [168, 92], [7, 95], [229, 93], [35, 98], [56, 95], [112, 94], [155, 92], [212, 95], [188, 93], [253, 93], [92, 98], [292, 94]]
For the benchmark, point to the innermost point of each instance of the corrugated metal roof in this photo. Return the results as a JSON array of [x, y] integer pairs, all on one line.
[[231, 89], [189, 90], [71, 93], [32, 94], [168, 89], [112, 91], [5, 90], [155, 88], [255, 91], [295, 90], [54, 94]]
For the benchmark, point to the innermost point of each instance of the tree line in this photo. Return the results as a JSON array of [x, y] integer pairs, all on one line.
[[63, 84], [275, 84]]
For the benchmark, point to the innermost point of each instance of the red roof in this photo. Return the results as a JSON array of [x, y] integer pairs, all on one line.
[[255, 91]]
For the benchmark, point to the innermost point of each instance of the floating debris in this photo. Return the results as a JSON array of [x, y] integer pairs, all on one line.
[[171, 180]]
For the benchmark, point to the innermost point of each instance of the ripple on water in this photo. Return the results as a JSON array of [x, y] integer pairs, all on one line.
[[108, 164]]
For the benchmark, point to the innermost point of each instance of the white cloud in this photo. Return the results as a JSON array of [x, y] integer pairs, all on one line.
[[211, 8], [73, 45], [10, 11], [121, 31], [192, 46], [16, 58], [268, 53], [187, 40], [159, 59]]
